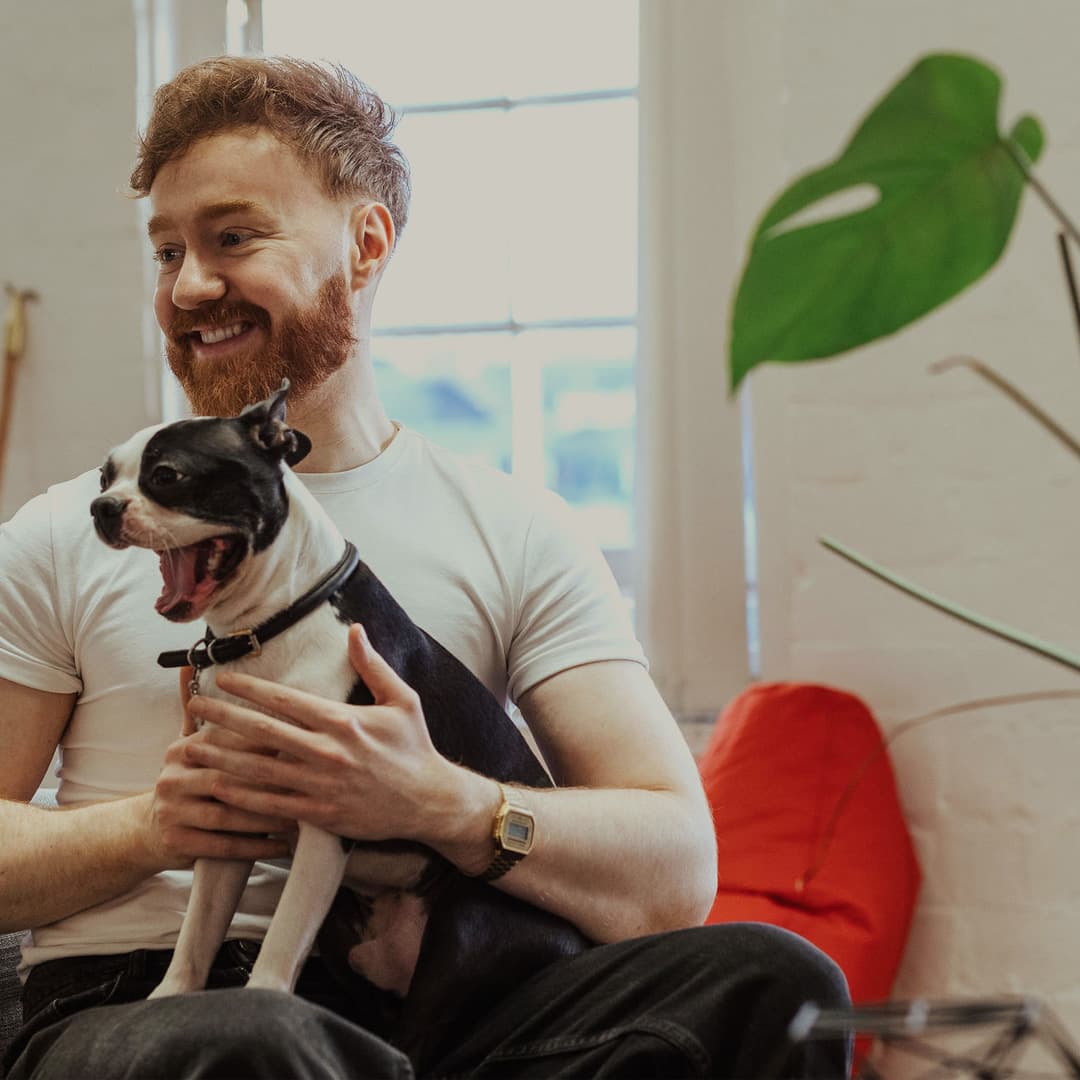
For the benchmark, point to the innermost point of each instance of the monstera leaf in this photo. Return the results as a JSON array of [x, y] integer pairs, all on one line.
[[948, 188]]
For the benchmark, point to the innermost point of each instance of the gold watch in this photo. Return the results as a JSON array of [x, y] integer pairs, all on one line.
[[513, 832]]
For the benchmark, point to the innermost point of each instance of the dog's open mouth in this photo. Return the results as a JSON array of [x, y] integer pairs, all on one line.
[[193, 574]]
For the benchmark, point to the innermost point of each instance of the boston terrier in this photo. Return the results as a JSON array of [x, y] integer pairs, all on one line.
[[243, 544]]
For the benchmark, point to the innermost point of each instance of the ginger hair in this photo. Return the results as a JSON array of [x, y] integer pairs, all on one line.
[[332, 120]]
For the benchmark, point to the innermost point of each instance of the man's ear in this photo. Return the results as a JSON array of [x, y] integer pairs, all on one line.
[[372, 243], [265, 422]]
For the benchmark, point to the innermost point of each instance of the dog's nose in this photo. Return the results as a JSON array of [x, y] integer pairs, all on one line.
[[108, 514]]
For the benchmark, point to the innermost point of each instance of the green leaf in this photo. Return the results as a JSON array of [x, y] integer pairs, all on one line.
[[948, 192]]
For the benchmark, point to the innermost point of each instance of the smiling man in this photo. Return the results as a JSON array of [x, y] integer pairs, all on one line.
[[277, 199]]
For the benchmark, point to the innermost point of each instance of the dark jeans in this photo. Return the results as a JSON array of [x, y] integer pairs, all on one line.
[[709, 1002]]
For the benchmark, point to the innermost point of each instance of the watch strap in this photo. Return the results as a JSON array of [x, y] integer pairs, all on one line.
[[503, 861]]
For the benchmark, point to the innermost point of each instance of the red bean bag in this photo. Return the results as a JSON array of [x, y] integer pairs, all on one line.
[[779, 764]]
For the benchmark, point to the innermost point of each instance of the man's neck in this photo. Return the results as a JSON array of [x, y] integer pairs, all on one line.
[[344, 419]]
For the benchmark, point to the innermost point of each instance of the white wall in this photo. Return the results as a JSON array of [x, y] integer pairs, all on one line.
[[67, 80], [946, 482]]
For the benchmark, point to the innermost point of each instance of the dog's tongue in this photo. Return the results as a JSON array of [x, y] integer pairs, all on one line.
[[187, 584]]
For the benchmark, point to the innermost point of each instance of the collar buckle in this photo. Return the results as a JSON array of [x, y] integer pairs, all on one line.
[[254, 645]]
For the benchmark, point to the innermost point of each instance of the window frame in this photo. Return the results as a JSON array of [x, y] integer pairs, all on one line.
[[698, 59]]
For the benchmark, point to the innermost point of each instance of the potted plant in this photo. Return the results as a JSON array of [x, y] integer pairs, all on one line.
[[942, 186], [939, 187]]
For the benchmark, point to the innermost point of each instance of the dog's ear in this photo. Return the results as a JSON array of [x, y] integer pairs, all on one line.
[[301, 447], [271, 408], [265, 421]]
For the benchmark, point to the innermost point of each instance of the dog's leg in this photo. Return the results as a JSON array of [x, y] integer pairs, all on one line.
[[215, 894], [318, 866]]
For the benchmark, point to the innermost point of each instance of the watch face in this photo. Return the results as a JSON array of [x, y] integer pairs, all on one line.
[[516, 833]]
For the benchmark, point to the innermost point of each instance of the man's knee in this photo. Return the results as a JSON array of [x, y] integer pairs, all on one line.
[[758, 952], [222, 1033], [800, 964]]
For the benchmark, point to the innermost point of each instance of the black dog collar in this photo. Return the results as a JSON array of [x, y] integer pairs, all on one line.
[[220, 650]]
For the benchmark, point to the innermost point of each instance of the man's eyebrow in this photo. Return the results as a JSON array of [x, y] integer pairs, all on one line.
[[161, 223]]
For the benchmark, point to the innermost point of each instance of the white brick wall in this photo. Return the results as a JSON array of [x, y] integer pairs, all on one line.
[[949, 484], [67, 79]]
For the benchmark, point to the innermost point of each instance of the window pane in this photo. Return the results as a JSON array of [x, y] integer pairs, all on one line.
[[568, 46], [526, 214], [429, 51], [555, 186], [453, 389], [573, 230], [589, 410], [452, 265]]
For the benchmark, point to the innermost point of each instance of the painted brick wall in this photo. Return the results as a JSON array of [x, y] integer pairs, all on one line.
[[949, 484], [67, 78]]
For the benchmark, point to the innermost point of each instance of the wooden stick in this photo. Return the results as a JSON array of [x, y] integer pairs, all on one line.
[[14, 347]]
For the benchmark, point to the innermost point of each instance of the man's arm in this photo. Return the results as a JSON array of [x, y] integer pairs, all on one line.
[[55, 863], [625, 845], [51, 864]]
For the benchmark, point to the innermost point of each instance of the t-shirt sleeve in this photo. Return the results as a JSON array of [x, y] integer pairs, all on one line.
[[35, 650], [571, 611]]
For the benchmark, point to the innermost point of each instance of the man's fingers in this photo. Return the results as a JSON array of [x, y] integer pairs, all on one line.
[[260, 771], [381, 679], [217, 817], [308, 710], [199, 807], [220, 736], [256, 728], [214, 845]]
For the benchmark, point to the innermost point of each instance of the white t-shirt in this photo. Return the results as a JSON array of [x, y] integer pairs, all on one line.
[[500, 577]]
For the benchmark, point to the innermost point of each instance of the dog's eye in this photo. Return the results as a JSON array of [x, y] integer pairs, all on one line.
[[103, 479], [165, 476]]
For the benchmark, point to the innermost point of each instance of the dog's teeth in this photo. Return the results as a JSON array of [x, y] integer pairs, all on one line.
[[223, 333]]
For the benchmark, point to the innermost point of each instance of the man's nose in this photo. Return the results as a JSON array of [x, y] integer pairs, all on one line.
[[108, 514], [196, 282]]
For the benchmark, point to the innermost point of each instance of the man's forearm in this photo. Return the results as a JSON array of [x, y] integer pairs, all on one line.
[[616, 863], [54, 863]]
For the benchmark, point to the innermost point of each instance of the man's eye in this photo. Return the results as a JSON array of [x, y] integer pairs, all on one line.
[[165, 255], [231, 239], [165, 476]]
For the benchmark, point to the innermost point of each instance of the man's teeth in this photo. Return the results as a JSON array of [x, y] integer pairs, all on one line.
[[212, 337]]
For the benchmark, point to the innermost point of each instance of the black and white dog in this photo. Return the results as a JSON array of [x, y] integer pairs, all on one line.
[[242, 542]]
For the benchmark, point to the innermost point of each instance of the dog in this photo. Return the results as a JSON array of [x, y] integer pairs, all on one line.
[[238, 537]]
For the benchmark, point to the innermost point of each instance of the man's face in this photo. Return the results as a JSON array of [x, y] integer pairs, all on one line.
[[252, 283]]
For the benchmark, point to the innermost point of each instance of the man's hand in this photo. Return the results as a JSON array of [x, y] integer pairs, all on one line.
[[368, 772], [184, 821], [625, 848]]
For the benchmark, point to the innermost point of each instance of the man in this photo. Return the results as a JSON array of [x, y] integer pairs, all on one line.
[[276, 202]]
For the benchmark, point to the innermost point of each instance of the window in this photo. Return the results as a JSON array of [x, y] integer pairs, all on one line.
[[506, 328]]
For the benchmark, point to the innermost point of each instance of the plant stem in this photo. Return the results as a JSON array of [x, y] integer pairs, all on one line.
[[1006, 633], [861, 770], [1070, 277], [1047, 198], [1013, 393]]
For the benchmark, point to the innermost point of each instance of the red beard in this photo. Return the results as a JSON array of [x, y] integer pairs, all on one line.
[[307, 347]]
